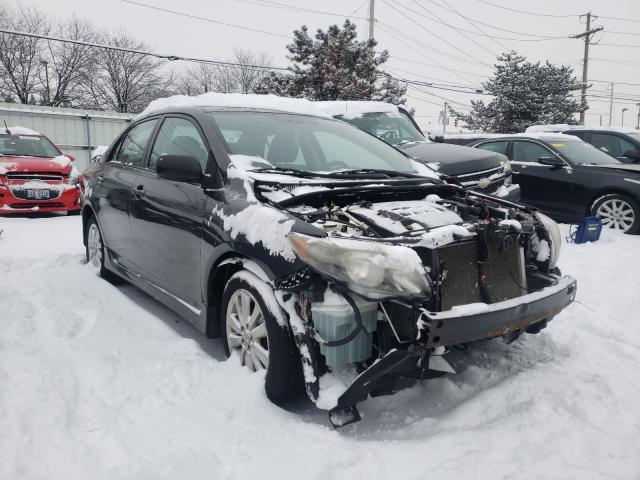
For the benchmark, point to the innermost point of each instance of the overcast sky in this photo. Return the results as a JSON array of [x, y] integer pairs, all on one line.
[[415, 32]]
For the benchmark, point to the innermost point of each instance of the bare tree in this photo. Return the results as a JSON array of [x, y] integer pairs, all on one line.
[[124, 81], [20, 56], [248, 76], [225, 79], [67, 64]]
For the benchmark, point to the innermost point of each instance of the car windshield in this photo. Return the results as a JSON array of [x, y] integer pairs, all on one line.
[[582, 153], [309, 144], [27, 146], [395, 128]]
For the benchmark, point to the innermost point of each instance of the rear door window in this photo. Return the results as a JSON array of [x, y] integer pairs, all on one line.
[[134, 143], [610, 144], [499, 147], [529, 152]]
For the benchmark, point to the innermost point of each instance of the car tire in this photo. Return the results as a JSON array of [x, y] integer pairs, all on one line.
[[618, 212], [94, 250], [263, 344]]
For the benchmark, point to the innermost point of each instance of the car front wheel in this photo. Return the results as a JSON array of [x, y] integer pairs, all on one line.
[[252, 335], [618, 212]]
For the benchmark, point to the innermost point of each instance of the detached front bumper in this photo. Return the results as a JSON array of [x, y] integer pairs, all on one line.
[[68, 200], [399, 369], [476, 322]]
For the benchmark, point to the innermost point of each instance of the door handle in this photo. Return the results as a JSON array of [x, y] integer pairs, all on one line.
[[139, 190]]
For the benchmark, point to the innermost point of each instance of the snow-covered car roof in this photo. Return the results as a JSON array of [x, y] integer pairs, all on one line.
[[237, 100], [544, 136], [563, 127], [350, 109], [19, 131]]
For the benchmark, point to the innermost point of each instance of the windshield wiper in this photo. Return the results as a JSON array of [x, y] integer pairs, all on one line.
[[287, 171], [373, 173], [358, 173]]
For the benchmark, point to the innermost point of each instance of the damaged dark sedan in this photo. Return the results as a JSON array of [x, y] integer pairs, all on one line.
[[317, 252]]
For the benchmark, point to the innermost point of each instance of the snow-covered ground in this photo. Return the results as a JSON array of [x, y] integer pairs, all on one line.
[[99, 381]]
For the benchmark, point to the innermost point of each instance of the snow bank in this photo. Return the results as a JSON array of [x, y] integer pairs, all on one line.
[[239, 100], [356, 109]]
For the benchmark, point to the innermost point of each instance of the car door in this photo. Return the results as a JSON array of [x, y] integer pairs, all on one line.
[[167, 216], [114, 182], [543, 186], [613, 144]]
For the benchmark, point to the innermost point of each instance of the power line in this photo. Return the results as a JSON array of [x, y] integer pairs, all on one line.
[[617, 83], [431, 33], [528, 13], [622, 33], [430, 65], [471, 21], [482, 32], [455, 29], [141, 52], [617, 45], [205, 19], [422, 44], [434, 63], [622, 19], [286, 6]]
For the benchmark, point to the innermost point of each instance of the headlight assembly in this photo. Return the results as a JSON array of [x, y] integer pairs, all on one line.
[[370, 269], [506, 166], [555, 239]]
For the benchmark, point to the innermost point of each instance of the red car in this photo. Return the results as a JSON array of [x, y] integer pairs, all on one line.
[[35, 176]]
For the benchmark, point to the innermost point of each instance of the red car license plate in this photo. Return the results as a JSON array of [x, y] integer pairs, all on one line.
[[38, 194]]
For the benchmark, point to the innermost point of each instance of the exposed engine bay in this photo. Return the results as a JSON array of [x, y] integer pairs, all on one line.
[[392, 281]]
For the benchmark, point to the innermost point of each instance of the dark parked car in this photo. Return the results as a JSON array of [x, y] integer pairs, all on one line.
[[485, 172], [621, 143], [313, 248], [569, 179]]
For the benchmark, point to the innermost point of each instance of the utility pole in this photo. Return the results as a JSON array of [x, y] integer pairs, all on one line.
[[611, 106], [372, 18], [587, 35], [444, 120], [638, 124], [622, 119]]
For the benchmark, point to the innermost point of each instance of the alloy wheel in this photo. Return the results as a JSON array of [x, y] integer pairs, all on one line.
[[616, 214], [246, 330], [94, 245]]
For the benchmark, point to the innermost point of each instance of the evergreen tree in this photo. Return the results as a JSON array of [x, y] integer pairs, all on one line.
[[524, 94], [334, 65]]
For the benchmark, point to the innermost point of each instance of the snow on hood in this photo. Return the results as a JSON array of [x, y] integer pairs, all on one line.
[[6, 167], [22, 131], [238, 100], [355, 109], [35, 164], [62, 160]]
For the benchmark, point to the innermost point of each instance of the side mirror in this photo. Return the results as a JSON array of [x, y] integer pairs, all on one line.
[[551, 161], [632, 154], [179, 168]]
